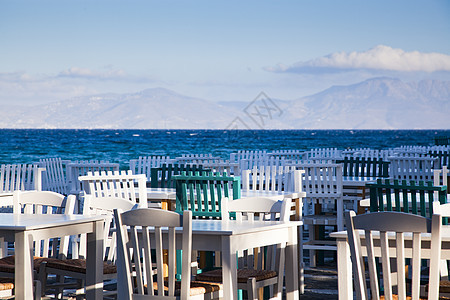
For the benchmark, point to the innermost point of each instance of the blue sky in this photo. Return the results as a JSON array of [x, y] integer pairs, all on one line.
[[53, 50]]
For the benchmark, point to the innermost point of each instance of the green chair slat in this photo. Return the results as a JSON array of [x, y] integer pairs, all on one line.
[[421, 195], [162, 177], [364, 167]]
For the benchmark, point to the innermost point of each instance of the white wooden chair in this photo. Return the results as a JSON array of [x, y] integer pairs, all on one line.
[[144, 164], [223, 166], [54, 177], [117, 184], [140, 279], [440, 177], [392, 229], [444, 284], [75, 267], [41, 202], [323, 204], [412, 168], [20, 177], [81, 168], [260, 267]]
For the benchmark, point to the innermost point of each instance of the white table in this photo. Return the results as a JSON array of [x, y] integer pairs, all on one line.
[[344, 263], [230, 236], [22, 229], [169, 195]]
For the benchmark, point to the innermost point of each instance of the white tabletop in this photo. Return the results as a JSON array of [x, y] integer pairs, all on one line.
[[19, 222]]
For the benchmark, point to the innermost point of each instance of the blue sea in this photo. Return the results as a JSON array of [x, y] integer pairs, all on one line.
[[29, 145]]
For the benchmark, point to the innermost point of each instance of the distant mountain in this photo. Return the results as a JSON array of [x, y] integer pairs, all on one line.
[[379, 103]]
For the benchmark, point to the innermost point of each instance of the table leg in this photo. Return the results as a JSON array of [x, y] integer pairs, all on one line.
[[292, 292], [344, 267], [23, 279], [229, 269], [94, 262]]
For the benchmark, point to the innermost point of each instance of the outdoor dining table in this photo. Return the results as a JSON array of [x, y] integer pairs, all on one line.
[[167, 196], [232, 236], [22, 229], [344, 263]]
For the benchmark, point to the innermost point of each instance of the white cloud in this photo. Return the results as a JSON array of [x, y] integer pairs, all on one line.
[[76, 72], [379, 58]]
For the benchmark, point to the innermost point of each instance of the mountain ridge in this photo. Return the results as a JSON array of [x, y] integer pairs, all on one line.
[[377, 103]]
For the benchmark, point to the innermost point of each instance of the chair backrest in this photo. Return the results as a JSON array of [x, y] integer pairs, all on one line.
[[162, 177], [443, 157], [440, 177], [322, 184], [144, 164], [203, 193], [413, 168], [103, 206], [123, 184], [54, 177], [323, 153], [20, 177], [196, 159], [256, 209], [81, 168], [253, 210], [140, 231], [392, 228], [45, 202], [412, 197], [223, 166], [272, 178], [364, 167]]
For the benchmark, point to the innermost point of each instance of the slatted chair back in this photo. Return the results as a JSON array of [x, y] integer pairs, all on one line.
[[81, 168], [223, 166], [440, 177], [117, 184], [364, 167], [21, 177], [272, 178], [45, 203], [443, 157], [120, 184], [105, 207], [203, 193], [322, 184], [408, 197], [162, 177], [144, 164], [54, 177], [392, 230], [413, 168], [265, 259], [291, 155], [323, 153], [139, 232], [197, 159]]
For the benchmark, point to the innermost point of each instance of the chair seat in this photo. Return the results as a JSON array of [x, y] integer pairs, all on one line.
[[78, 266], [6, 284], [242, 274], [197, 287], [7, 264]]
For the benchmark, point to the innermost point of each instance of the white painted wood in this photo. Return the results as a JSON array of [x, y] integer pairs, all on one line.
[[385, 227], [81, 168], [144, 164], [116, 184], [20, 177], [412, 168], [54, 177], [25, 228]]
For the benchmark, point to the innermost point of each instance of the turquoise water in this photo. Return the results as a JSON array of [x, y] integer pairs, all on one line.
[[29, 145]]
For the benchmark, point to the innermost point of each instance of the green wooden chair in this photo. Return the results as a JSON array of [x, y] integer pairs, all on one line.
[[202, 193], [364, 167], [412, 197], [162, 177]]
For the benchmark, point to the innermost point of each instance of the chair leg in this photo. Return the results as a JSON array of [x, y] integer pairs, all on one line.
[[252, 291]]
